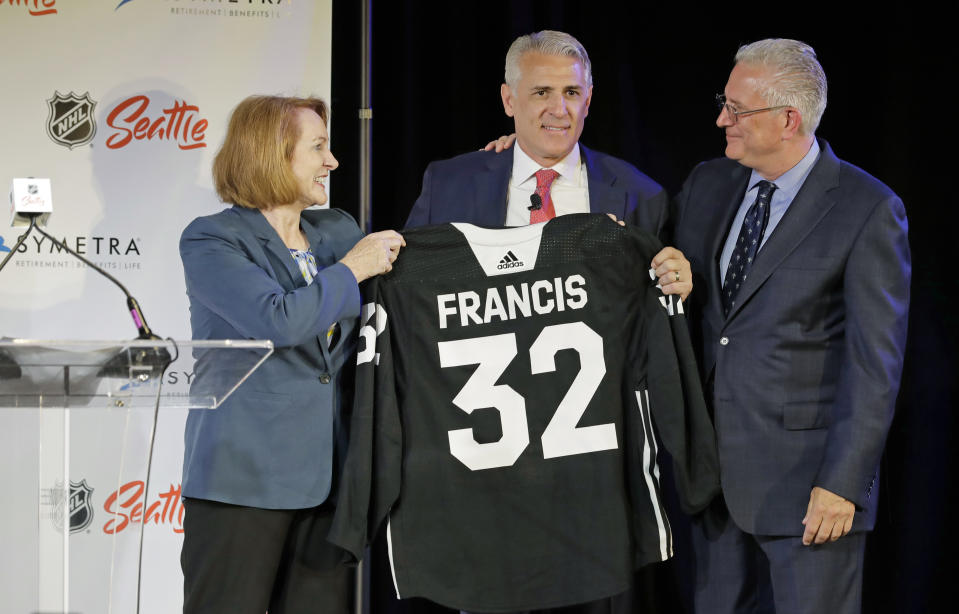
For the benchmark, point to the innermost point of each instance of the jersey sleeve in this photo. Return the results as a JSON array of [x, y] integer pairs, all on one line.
[[677, 404], [370, 481], [676, 401]]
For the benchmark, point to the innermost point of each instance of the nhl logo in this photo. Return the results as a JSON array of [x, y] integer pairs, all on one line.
[[79, 507], [71, 122]]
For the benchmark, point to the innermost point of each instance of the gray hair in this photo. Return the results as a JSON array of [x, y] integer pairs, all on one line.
[[547, 42], [796, 78]]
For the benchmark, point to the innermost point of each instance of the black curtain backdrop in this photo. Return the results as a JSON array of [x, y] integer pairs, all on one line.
[[437, 69]]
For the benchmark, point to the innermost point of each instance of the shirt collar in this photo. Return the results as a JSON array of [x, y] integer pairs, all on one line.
[[790, 181], [524, 167]]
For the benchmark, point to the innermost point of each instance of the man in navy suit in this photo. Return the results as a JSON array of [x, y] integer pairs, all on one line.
[[801, 335], [548, 88], [547, 92]]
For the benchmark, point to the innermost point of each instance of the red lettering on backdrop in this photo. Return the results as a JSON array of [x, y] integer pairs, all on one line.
[[36, 7], [125, 506], [48, 7], [180, 123]]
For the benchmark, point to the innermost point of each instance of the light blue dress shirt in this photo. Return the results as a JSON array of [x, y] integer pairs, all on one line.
[[787, 186]]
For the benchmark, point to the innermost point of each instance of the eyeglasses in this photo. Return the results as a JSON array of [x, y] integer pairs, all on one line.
[[733, 113]]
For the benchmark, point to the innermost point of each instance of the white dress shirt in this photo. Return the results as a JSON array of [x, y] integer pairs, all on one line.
[[569, 191]]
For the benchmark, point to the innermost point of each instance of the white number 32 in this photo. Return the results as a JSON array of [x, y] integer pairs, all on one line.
[[493, 355]]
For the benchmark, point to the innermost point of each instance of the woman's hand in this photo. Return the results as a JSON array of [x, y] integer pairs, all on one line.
[[374, 254]]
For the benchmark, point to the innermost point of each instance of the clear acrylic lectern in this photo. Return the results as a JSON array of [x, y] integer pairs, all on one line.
[[111, 392]]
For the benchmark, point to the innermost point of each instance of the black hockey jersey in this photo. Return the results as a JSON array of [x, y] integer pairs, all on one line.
[[513, 388]]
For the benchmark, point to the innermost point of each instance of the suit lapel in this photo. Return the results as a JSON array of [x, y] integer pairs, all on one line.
[[807, 208], [324, 258], [739, 176], [288, 274], [490, 191], [604, 195], [318, 244]]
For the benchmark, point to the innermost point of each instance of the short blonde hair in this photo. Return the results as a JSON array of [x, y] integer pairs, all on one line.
[[252, 168]]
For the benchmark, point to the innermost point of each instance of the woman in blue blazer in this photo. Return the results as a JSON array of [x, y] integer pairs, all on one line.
[[258, 470]]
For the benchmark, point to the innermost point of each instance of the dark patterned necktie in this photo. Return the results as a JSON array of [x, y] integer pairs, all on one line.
[[750, 237], [544, 179]]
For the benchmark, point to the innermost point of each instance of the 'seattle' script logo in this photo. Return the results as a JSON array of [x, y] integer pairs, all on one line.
[[135, 120], [36, 8]]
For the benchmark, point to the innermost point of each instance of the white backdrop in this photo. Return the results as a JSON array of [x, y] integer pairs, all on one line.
[[122, 103]]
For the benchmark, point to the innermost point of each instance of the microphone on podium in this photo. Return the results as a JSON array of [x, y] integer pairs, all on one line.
[[32, 204]]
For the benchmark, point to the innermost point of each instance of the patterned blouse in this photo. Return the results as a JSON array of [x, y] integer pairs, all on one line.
[[307, 264]]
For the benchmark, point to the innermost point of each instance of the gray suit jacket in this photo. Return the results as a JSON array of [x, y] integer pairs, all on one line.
[[474, 187], [271, 443], [805, 369]]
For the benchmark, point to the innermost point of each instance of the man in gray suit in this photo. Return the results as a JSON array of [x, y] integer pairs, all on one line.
[[802, 267]]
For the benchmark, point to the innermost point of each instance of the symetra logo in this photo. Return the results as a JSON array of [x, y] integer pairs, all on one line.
[[96, 246], [509, 261], [107, 252], [70, 122], [34, 7], [180, 123]]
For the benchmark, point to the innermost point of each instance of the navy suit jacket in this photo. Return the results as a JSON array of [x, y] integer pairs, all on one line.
[[474, 188], [806, 367], [271, 443]]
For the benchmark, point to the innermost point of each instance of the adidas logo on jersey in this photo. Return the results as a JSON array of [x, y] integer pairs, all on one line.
[[509, 261]]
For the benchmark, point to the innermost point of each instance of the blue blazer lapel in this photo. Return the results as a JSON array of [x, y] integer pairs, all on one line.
[[490, 191], [318, 244], [604, 195], [807, 208], [324, 257], [287, 273]]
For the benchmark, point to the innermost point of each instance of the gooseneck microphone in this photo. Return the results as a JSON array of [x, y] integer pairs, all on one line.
[[156, 358], [537, 202], [135, 312], [31, 202]]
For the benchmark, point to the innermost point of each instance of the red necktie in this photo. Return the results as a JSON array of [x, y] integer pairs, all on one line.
[[544, 178]]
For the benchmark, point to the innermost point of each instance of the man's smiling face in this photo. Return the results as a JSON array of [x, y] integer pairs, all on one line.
[[548, 105]]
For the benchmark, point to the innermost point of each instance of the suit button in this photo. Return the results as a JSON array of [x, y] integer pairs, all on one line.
[[325, 378], [724, 341]]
